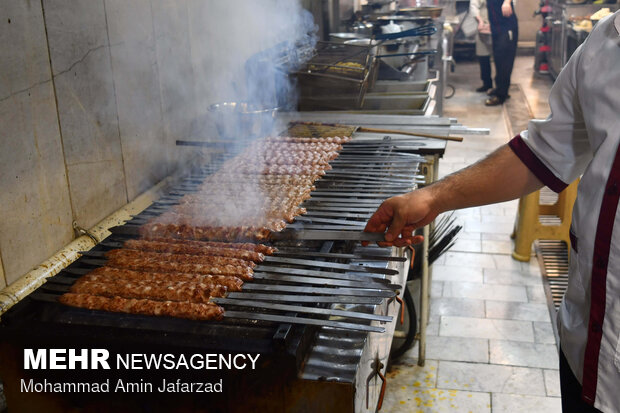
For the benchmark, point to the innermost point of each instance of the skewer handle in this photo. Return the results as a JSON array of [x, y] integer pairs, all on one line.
[[424, 135]]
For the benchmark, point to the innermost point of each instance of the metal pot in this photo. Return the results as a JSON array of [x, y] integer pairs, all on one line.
[[407, 22], [362, 28], [365, 42], [344, 37], [258, 120], [242, 120]]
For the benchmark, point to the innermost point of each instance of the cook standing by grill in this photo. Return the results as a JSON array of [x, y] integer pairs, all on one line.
[[478, 9], [580, 137], [504, 33]]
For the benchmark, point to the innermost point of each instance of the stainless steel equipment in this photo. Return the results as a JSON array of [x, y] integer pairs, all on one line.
[[234, 119], [344, 37], [432, 150], [403, 87], [336, 68], [422, 11], [331, 292], [338, 78], [395, 104], [564, 38], [343, 368]]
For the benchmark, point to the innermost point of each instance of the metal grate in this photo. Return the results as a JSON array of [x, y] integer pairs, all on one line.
[[336, 69], [362, 176], [553, 259], [318, 130]]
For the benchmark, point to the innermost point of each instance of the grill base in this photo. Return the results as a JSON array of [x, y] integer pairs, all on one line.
[[296, 373], [267, 388]]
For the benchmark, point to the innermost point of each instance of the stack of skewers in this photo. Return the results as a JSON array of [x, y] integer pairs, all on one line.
[[207, 245]]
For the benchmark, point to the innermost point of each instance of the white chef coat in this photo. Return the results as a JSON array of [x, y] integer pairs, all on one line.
[[581, 137], [483, 40]]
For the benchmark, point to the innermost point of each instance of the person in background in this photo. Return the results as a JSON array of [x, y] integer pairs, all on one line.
[[478, 9], [581, 137], [504, 35]]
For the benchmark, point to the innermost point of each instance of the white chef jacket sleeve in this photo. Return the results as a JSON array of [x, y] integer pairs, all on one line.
[[557, 149], [474, 8]]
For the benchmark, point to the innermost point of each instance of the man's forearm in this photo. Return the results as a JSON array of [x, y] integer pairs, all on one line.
[[499, 177]]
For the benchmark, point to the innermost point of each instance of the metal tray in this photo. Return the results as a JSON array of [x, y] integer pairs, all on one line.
[[400, 87], [392, 104], [425, 11], [396, 104]]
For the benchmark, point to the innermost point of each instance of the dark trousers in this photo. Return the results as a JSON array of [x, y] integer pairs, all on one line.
[[485, 71], [504, 52], [571, 390]]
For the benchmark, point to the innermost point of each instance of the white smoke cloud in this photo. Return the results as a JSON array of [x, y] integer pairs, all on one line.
[[236, 49], [241, 52]]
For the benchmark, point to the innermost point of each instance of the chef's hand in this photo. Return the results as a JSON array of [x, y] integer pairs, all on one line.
[[506, 8], [401, 215], [484, 28]]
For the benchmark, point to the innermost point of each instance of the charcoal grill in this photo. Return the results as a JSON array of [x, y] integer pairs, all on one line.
[[302, 353]]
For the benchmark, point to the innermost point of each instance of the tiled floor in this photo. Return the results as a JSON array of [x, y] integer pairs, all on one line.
[[490, 344]]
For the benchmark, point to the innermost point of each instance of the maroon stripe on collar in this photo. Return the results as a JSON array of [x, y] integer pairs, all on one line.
[[602, 244], [535, 165]]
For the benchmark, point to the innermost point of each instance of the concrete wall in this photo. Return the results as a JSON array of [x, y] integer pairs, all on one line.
[[93, 95]]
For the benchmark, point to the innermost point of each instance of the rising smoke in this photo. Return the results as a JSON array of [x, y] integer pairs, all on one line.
[[247, 47], [242, 52]]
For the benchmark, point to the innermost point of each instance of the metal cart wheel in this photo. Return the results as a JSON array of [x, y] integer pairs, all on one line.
[[404, 334], [451, 93]]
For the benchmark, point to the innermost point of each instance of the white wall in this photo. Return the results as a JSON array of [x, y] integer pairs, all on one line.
[[93, 96]]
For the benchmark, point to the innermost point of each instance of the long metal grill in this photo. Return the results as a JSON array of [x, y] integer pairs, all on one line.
[[311, 282]]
